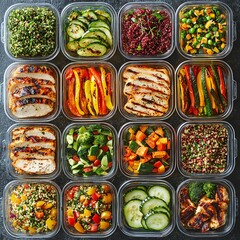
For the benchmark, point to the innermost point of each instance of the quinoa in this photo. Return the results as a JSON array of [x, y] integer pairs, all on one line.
[[146, 32], [204, 148]]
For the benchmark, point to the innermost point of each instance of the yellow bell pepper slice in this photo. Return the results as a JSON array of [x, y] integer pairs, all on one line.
[[94, 93], [77, 92], [79, 227], [200, 90], [88, 96], [51, 223]]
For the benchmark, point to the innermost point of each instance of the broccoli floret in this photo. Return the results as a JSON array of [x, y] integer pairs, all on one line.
[[85, 138], [195, 191], [210, 189], [94, 127], [100, 140], [83, 151]]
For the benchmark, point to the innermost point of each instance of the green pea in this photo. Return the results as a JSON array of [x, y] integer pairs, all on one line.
[[208, 35], [191, 30], [214, 29], [196, 26], [210, 42], [188, 21], [186, 15], [183, 35], [199, 39], [184, 20]]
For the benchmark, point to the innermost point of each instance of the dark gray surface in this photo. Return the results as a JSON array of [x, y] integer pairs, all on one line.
[[175, 59]]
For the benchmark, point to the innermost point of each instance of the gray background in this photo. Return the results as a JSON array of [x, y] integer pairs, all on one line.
[[117, 120]]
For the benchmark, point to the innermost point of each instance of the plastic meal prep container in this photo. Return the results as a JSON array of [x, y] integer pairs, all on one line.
[[8, 74], [8, 140], [230, 27], [6, 207], [130, 7], [80, 6], [144, 185], [199, 140], [5, 34], [122, 98], [231, 211], [112, 200], [109, 68], [66, 149], [230, 85], [168, 160]]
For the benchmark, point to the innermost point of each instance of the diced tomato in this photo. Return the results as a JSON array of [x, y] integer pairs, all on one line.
[[75, 189], [93, 227], [105, 148], [26, 185], [96, 218], [76, 214], [86, 202], [96, 163], [75, 158], [95, 132], [96, 196], [110, 164], [157, 164], [155, 170], [92, 203], [71, 220], [75, 135], [87, 169], [70, 194], [39, 214]]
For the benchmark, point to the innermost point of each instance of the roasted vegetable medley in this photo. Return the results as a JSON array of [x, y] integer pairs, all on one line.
[[202, 90], [90, 150], [203, 30], [33, 208], [88, 208], [147, 149]]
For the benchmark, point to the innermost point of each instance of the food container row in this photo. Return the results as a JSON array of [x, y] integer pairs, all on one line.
[[87, 31], [146, 90], [38, 208], [140, 149]]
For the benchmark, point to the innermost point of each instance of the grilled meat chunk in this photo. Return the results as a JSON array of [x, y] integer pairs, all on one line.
[[187, 213]]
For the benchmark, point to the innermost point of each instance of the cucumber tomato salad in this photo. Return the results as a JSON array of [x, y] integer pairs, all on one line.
[[89, 208], [90, 150], [147, 207], [33, 208]]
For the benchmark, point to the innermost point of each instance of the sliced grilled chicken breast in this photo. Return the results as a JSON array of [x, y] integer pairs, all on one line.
[[35, 166], [35, 71], [31, 144]]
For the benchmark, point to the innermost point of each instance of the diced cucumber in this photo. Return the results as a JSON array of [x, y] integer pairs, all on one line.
[[71, 162], [69, 139], [73, 46], [101, 154], [109, 156], [99, 23], [160, 192], [99, 171], [79, 166], [150, 203], [76, 171], [104, 162], [92, 50], [135, 194], [82, 129], [145, 168], [75, 145], [156, 221], [132, 214], [75, 31], [110, 143]]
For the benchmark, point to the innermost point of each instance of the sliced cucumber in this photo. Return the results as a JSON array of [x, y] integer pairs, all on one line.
[[160, 192], [99, 23], [75, 31], [142, 187], [82, 24], [135, 194], [84, 42], [163, 210], [92, 50], [79, 166], [132, 214], [72, 162], [95, 33], [156, 221], [89, 14], [104, 14], [106, 31], [143, 222], [150, 203], [73, 46]]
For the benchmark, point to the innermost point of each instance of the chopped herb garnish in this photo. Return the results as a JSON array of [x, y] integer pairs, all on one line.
[[158, 16]]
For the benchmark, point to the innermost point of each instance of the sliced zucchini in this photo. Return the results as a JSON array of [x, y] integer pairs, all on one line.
[[106, 31], [75, 31], [151, 203], [77, 22], [92, 50], [99, 23], [73, 46], [73, 15], [104, 14], [84, 20], [132, 214], [95, 33], [89, 14], [84, 42], [156, 221], [160, 192], [135, 194]]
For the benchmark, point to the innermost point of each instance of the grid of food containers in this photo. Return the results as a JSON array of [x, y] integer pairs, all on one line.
[[202, 90]]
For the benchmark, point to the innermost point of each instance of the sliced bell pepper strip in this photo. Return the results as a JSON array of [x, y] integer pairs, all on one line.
[[87, 90], [200, 90], [194, 86], [222, 83], [217, 100], [107, 96], [190, 87], [96, 74], [108, 80], [83, 76], [209, 87], [69, 74], [183, 93], [77, 90], [94, 94]]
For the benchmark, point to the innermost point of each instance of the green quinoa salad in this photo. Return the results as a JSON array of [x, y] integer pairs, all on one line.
[[33, 208], [32, 32]]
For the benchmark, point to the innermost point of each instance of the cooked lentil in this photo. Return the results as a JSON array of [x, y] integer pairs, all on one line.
[[32, 32], [204, 148]]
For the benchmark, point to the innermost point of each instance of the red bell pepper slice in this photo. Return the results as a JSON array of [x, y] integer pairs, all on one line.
[[83, 76], [108, 81], [96, 163], [96, 218], [71, 220], [157, 164], [95, 196], [75, 158], [222, 82], [93, 227], [76, 214], [97, 76], [69, 74], [189, 84]]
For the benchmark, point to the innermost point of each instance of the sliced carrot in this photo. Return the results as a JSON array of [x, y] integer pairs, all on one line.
[[169, 145]]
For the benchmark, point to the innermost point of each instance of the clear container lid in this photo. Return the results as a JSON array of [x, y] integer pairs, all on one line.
[[93, 6], [7, 198], [230, 86], [144, 185], [167, 107], [231, 210], [5, 33], [163, 142], [129, 8], [88, 168], [111, 191], [218, 8], [10, 153], [206, 150], [8, 75], [109, 69]]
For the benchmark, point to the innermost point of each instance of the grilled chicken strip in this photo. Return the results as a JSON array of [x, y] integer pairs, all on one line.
[[35, 71], [44, 166]]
